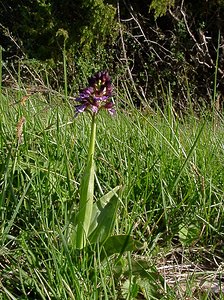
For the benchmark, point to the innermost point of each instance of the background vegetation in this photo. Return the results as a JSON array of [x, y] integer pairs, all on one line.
[[165, 147], [152, 44]]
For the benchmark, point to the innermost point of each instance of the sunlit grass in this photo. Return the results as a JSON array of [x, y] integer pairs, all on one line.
[[172, 175]]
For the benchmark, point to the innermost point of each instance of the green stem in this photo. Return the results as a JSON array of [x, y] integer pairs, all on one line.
[[92, 138], [86, 193]]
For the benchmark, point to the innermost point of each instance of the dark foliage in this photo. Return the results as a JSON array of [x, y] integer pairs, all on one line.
[[181, 51], [31, 27]]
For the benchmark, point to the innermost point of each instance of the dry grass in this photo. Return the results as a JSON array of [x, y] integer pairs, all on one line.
[[193, 274]]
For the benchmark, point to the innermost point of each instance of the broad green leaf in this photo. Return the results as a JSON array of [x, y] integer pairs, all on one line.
[[144, 275], [86, 194], [99, 205], [188, 234], [120, 244], [130, 288], [85, 206], [103, 217]]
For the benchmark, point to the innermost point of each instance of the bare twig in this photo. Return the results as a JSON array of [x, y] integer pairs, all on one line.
[[11, 37], [203, 46]]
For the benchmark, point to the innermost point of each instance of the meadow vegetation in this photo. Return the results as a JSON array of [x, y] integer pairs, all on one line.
[[171, 172], [164, 147]]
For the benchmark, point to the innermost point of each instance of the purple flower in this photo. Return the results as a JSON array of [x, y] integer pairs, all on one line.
[[96, 95]]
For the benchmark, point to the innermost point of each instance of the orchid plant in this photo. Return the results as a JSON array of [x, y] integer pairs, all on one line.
[[95, 220]]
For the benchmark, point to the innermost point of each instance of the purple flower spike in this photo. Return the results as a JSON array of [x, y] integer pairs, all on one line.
[[96, 95]]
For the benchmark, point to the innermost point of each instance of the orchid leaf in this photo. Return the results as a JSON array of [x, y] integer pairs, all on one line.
[[103, 216], [86, 203], [120, 244], [86, 194]]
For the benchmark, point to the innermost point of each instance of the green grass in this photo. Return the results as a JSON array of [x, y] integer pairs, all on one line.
[[172, 200]]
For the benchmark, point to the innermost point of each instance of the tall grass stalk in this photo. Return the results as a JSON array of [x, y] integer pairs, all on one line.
[[65, 71]]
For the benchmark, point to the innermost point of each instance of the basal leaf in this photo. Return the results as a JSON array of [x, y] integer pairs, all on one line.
[[120, 244], [103, 217]]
